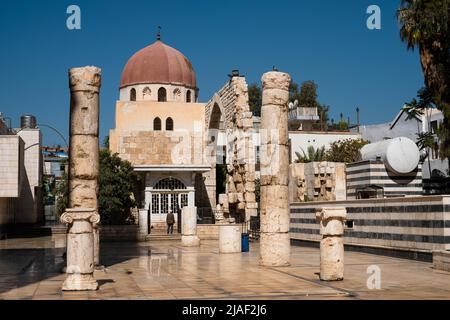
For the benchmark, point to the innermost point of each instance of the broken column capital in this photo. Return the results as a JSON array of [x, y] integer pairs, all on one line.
[[276, 80], [79, 214], [85, 79], [331, 221]]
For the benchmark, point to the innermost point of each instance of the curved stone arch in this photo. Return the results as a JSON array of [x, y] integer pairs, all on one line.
[[215, 102], [231, 104]]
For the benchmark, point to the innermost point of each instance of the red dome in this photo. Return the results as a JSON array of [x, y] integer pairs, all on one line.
[[158, 63]]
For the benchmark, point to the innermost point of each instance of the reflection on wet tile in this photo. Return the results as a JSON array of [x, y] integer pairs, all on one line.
[[30, 269]]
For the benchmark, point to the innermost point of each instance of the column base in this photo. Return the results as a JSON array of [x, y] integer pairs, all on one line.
[[80, 282], [190, 241]]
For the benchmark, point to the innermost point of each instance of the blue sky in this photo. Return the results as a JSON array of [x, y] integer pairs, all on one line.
[[325, 41]]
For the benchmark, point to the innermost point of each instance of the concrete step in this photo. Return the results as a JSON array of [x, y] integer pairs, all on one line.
[[163, 237]]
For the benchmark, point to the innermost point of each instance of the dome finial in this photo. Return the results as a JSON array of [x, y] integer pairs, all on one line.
[[158, 35]]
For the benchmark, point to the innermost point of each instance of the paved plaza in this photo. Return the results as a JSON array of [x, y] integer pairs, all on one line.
[[30, 269]]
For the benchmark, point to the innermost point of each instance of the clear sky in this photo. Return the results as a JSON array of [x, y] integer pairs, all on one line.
[[325, 41]]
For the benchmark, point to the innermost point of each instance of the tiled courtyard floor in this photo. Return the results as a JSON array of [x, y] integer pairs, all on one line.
[[30, 269]]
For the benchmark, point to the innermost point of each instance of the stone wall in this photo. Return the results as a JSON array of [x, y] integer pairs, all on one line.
[[415, 224], [11, 163], [208, 231], [317, 181], [119, 233], [373, 172], [157, 147], [29, 207]]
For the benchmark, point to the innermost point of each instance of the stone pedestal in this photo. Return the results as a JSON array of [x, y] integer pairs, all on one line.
[[275, 214], [80, 249], [143, 224], [230, 240], [189, 236], [332, 244]]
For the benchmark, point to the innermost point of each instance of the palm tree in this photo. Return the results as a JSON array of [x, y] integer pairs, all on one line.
[[313, 155], [425, 24]]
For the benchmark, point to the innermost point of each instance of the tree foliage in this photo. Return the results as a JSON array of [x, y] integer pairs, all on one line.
[[312, 155], [347, 151], [255, 99], [425, 24], [116, 182], [308, 95], [62, 194]]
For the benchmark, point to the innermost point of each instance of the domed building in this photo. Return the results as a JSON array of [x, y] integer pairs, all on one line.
[[175, 143], [159, 128], [158, 73]]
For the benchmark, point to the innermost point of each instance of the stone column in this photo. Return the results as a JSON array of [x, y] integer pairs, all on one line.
[[83, 175], [189, 236], [230, 238], [143, 224], [332, 244], [80, 249], [275, 215]]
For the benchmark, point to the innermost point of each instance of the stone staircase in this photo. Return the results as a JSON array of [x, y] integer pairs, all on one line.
[[163, 237]]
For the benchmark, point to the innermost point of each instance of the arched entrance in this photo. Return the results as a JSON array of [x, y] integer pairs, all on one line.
[[168, 195]]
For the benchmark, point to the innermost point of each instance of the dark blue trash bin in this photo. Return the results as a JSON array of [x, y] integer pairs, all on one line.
[[245, 242]]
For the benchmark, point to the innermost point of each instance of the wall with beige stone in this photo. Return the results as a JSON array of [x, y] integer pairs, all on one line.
[[11, 163], [29, 206], [135, 140], [317, 181]]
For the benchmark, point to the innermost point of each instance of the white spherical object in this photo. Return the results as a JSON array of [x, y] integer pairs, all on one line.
[[400, 155]]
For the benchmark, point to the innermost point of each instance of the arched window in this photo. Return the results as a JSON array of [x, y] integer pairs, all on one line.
[[169, 124], [188, 96], [133, 94], [162, 95], [157, 124], [169, 184]]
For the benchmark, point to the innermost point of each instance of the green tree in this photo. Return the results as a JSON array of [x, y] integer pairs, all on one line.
[[116, 184], [62, 194], [312, 155], [425, 24], [255, 99], [106, 142], [347, 151], [417, 108], [308, 95], [294, 92]]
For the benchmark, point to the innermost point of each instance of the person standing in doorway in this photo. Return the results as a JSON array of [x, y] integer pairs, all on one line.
[[170, 220]]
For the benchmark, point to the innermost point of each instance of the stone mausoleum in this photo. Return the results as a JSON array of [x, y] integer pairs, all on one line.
[[172, 140]]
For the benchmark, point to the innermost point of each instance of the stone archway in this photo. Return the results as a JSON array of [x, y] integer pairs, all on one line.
[[228, 112]]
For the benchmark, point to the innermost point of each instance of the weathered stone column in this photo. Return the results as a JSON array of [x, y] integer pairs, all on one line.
[[230, 238], [275, 215], [189, 236], [83, 177], [332, 244]]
